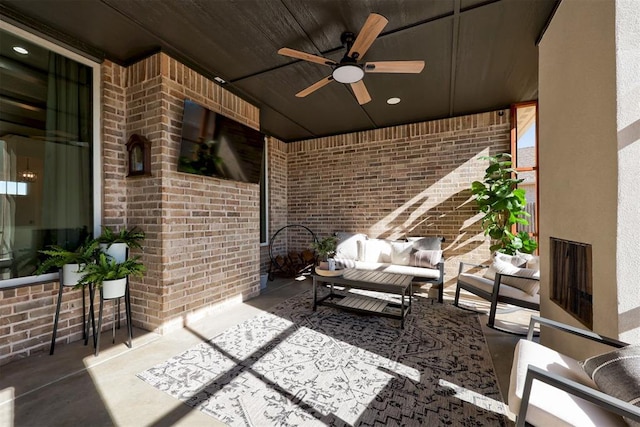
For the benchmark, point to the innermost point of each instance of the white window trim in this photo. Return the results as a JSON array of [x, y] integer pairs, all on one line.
[[266, 189], [96, 146]]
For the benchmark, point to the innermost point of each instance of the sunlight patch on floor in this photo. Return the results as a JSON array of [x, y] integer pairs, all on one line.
[[476, 399]]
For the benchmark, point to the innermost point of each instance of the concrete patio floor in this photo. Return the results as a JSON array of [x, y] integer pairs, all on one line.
[[73, 387]]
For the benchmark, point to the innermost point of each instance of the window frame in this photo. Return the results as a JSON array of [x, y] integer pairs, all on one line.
[[96, 143], [265, 209], [514, 160]]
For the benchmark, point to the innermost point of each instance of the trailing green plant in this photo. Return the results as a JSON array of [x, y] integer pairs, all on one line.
[[57, 256], [105, 268], [325, 248], [503, 205], [131, 237]]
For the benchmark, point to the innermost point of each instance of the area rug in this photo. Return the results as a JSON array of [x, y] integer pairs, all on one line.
[[293, 367]]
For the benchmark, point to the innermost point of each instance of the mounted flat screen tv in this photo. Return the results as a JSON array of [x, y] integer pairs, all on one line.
[[215, 145]]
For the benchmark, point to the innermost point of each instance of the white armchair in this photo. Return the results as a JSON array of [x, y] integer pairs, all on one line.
[[548, 388]]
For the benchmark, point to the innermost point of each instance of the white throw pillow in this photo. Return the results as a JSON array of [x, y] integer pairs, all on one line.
[[348, 246], [401, 252], [524, 282], [377, 250], [515, 260]]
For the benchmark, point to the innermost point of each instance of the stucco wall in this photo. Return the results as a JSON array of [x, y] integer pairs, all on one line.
[[578, 154], [628, 127]]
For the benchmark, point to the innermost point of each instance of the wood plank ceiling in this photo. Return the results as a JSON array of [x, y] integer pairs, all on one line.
[[480, 55]]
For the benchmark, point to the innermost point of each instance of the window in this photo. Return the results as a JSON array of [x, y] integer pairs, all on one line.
[[49, 151], [524, 152]]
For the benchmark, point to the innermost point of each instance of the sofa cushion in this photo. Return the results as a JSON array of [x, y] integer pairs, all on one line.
[[426, 243], [528, 279], [550, 406], [348, 247], [416, 272], [518, 261], [401, 252], [425, 258], [617, 373]]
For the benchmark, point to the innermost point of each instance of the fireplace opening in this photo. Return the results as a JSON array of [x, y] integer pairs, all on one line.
[[571, 278]]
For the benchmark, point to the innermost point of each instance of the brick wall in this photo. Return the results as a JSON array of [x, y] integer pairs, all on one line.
[[202, 248], [410, 180]]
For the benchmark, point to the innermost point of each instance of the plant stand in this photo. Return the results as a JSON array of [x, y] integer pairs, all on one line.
[[116, 314], [57, 317]]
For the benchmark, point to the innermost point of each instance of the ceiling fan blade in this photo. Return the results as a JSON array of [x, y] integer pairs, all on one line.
[[361, 92], [394, 67], [314, 87], [285, 51], [370, 30]]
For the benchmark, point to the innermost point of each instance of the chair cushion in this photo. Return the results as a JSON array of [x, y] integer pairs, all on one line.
[[617, 373], [505, 290], [549, 406]]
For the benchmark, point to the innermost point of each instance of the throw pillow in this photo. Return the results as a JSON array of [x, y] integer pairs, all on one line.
[[377, 250], [533, 261], [347, 246], [426, 243], [426, 258], [617, 373], [401, 252], [515, 260], [528, 280]]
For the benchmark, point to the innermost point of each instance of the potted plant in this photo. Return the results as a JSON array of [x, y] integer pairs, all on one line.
[[116, 243], [110, 275], [325, 249], [72, 262], [503, 205]]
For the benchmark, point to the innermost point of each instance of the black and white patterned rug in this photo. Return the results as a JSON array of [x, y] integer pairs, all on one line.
[[293, 367]]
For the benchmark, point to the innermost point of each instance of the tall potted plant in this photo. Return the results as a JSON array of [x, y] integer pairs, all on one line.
[[72, 262], [115, 243], [503, 205], [110, 275]]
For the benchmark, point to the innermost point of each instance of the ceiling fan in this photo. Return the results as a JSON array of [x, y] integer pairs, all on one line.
[[349, 70]]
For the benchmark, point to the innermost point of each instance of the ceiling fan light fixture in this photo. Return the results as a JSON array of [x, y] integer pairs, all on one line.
[[348, 73]]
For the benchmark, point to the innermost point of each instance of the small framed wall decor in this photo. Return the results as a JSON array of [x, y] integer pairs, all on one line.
[[139, 154]]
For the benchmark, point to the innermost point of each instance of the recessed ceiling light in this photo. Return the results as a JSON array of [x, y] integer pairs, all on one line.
[[220, 80], [21, 50], [393, 101]]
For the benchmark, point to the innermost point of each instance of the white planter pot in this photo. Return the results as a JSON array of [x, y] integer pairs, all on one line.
[[114, 288], [117, 251], [70, 275]]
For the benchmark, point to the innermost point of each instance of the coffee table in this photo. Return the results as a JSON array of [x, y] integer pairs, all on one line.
[[392, 283]]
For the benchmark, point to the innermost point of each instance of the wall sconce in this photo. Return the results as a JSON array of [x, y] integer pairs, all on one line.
[[139, 149]]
